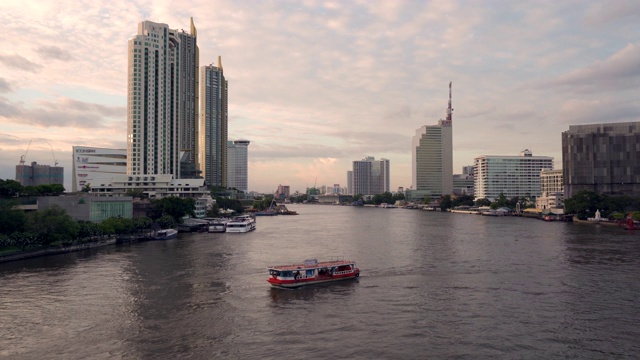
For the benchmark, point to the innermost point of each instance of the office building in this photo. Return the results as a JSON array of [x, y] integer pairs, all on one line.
[[432, 157], [162, 101], [370, 176], [509, 175], [36, 174], [213, 125], [350, 182], [92, 163], [603, 158], [238, 165]]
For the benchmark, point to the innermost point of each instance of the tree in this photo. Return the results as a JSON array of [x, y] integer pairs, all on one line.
[[483, 202], [463, 200], [136, 193], [52, 224], [166, 222], [426, 200], [10, 188], [175, 207], [446, 203], [226, 203], [11, 220]]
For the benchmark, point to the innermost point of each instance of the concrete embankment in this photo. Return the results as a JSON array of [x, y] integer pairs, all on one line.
[[57, 250]]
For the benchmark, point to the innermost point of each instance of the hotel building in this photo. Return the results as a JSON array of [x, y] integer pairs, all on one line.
[[509, 175], [370, 176], [603, 158]]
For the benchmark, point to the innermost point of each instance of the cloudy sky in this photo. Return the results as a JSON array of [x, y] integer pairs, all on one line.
[[315, 85]]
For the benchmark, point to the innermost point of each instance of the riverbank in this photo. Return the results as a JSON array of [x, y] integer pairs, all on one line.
[[22, 255]]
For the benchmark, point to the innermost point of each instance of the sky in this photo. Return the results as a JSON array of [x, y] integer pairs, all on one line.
[[315, 85]]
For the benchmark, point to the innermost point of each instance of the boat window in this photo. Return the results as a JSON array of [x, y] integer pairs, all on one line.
[[310, 272], [274, 272], [287, 274]]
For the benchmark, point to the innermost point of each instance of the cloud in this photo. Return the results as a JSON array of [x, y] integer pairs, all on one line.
[[619, 71], [581, 111], [5, 86], [19, 62], [612, 11], [54, 52], [63, 112]]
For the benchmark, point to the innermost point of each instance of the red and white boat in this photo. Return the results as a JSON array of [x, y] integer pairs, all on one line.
[[312, 272]]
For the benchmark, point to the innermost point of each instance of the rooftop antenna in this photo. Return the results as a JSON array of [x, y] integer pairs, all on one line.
[[449, 109], [23, 157]]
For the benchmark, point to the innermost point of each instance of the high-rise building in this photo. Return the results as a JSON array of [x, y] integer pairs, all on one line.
[[213, 125], [552, 189], [162, 101], [370, 176], [92, 163], [36, 174], [602, 158], [350, 182], [509, 175], [238, 165], [432, 157]]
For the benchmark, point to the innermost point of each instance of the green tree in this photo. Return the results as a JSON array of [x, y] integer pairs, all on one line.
[[426, 200], [463, 200], [482, 202], [10, 188], [52, 225], [175, 207], [233, 204], [118, 225], [11, 220], [446, 203], [166, 222]]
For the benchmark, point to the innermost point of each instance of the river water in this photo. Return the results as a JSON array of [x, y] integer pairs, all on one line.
[[433, 285]]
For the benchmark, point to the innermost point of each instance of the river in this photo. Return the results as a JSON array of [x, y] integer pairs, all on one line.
[[433, 285]]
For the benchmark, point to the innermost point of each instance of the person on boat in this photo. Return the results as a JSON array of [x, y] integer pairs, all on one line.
[[296, 275]]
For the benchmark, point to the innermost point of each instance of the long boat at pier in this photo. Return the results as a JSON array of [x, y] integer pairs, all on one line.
[[312, 272]]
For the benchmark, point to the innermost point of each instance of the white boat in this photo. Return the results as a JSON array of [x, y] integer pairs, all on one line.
[[241, 224], [218, 226], [166, 234]]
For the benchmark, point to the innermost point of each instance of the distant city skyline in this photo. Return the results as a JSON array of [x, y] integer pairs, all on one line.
[[318, 84]]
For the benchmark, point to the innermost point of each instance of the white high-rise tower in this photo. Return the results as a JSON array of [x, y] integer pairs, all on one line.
[[162, 101]]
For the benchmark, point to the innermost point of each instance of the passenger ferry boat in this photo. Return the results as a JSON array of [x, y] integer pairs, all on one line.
[[241, 224], [312, 272], [218, 226]]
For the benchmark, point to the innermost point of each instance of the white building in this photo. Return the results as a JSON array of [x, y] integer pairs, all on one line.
[[92, 163], [509, 175], [154, 186], [432, 157], [213, 125], [370, 176], [552, 189], [350, 182], [162, 101], [238, 165]]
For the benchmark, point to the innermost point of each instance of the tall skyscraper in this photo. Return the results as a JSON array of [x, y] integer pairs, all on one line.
[[162, 101], [602, 158], [238, 165], [213, 125], [370, 176], [432, 157]]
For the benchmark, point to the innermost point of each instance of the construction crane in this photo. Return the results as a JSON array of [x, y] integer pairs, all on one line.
[[24, 157], [55, 162]]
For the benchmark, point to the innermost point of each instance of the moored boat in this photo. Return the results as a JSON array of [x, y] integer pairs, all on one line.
[[241, 224], [166, 234], [312, 272], [217, 226]]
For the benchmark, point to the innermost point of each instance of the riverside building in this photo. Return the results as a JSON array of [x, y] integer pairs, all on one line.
[[238, 165], [36, 174], [432, 158], [213, 125], [92, 163], [509, 175], [162, 101], [552, 188], [602, 158], [370, 176]]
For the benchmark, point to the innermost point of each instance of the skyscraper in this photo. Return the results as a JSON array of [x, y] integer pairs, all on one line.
[[213, 125], [432, 157], [162, 101], [238, 165]]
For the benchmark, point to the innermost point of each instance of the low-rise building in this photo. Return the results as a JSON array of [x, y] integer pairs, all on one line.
[[153, 186], [86, 207]]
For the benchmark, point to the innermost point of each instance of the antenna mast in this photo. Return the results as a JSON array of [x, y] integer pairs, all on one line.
[[449, 109]]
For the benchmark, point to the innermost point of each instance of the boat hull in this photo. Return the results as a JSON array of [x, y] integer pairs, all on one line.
[[300, 283]]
